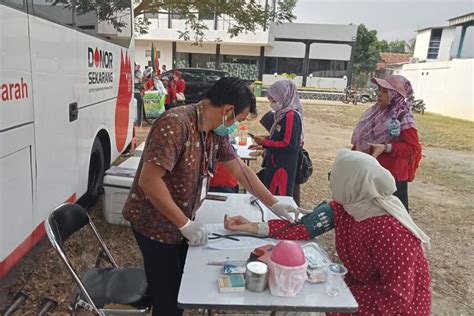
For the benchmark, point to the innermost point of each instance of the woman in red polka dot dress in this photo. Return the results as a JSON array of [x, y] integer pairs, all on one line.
[[376, 239]]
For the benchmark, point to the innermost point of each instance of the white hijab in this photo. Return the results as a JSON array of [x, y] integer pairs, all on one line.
[[365, 189]]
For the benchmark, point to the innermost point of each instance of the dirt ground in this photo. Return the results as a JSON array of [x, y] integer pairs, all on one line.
[[441, 201]]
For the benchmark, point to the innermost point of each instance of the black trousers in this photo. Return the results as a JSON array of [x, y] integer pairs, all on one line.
[[164, 265], [402, 193]]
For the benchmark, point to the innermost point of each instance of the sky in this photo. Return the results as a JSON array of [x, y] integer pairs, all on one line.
[[393, 20]]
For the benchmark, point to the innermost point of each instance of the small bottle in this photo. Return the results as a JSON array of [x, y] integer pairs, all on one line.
[[394, 127], [243, 132]]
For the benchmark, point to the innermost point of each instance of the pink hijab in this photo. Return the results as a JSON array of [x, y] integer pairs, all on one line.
[[285, 92], [373, 125]]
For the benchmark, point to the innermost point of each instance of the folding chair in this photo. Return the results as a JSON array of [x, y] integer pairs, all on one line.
[[104, 291]]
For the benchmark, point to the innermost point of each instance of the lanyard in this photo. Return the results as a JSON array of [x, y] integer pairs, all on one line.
[[208, 166]]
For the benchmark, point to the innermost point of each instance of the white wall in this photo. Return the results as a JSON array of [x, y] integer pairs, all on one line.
[[188, 48], [446, 86], [243, 50], [317, 82], [421, 45], [330, 51], [285, 49], [329, 32], [165, 49]]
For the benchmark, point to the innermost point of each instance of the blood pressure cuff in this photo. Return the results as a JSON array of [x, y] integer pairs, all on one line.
[[320, 221]]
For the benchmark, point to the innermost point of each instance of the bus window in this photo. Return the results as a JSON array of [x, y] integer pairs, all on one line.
[[54, 11], [19, 4], [86, 20]]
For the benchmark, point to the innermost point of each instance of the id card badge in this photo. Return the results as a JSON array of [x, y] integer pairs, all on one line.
[[204, 183]]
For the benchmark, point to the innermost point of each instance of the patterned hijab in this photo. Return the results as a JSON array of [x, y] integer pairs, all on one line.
[[365, 189], [373, 125], [285, 92]]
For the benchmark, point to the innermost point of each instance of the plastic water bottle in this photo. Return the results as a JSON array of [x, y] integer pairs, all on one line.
[[394, 127], [243, 133]]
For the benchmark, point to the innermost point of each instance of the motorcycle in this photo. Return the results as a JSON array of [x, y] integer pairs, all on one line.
[[417, 106], [350, 95], [369, 95]]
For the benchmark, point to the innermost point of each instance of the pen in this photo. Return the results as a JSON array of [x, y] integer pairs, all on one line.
[[224, 236]]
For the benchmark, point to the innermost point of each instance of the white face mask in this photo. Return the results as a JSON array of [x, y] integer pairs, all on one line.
[[275, 106]]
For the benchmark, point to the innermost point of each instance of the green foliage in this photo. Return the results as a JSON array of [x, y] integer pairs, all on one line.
[[289, 76], [366, 52]]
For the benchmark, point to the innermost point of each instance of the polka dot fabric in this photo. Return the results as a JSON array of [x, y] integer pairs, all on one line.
[[388, 272]]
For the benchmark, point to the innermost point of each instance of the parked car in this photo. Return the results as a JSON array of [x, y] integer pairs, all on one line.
[[198, 81]]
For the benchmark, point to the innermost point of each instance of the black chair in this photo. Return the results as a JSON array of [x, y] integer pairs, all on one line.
[[104, 291]]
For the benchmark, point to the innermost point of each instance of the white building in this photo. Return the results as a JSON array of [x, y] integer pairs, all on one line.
[[320, 55], [441, 71]]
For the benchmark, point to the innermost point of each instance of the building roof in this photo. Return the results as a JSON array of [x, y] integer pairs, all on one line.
[[394, 58], [465, 18], [432, 27], [387, 59]]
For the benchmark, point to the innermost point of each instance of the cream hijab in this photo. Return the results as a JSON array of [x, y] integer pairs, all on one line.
[[365, 189]]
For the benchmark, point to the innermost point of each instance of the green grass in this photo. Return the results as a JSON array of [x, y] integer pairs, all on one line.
[[446, 176], [434, 130]]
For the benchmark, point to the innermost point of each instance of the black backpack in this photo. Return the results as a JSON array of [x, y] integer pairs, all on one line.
[[304, 169]]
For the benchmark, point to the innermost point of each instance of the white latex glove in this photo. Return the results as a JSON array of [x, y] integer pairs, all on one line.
[[304, 211], [195, 233], [283, 211]]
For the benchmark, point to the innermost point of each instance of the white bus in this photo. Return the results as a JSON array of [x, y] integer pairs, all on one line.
[[66, 100]]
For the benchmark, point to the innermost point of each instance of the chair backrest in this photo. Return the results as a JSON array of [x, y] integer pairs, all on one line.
[[65, 221]]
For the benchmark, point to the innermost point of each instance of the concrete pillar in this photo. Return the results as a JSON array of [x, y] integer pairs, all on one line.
[[351, 63], [261, 63], [218, 56], [306, 61], [173, 55]]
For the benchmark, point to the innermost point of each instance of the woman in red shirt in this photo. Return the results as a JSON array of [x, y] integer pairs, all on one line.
[[388, 132], [376, 239], [180, 87]]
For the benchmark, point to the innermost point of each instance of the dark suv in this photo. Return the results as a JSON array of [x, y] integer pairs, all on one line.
[[198, 80]]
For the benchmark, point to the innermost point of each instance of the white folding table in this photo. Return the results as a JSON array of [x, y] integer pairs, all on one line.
[[199, 282]]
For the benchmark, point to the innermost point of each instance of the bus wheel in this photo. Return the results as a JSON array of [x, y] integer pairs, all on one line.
[[96, 173]]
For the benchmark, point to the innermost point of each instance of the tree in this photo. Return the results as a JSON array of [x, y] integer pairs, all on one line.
[[410, 45], [391, 47], [366, 53], [383, 46], [397, 46], [245, 15]]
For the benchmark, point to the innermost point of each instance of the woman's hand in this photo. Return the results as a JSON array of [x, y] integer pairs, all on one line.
[[239, 224], [255, 147], [377, 149], [258, 140]]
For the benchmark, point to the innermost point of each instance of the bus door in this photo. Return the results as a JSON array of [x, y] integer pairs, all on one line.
[[17, 152], [54, 61]]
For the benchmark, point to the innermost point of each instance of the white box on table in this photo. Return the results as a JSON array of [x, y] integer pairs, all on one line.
[[116, 189]]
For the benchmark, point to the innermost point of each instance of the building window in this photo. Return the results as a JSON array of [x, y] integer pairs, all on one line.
[[282, 65], [206, 14], [177, 16], [151, 15], [328, 68], [207, 61], [435, 41], [182, 60]]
